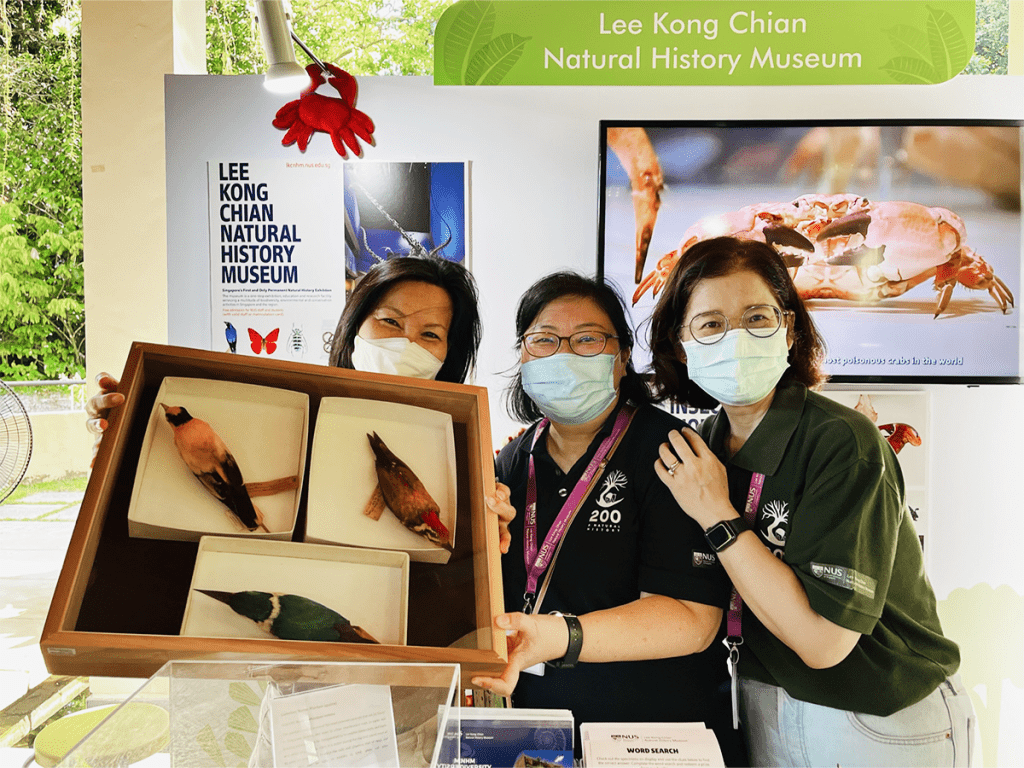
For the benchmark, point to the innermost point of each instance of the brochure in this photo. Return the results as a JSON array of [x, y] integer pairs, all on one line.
[[509, 738], [618, 745]]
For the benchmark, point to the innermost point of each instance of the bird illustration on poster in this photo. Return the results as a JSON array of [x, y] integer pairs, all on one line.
[[231, 334]]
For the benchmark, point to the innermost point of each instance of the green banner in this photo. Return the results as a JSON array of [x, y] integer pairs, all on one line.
[[702, 42]]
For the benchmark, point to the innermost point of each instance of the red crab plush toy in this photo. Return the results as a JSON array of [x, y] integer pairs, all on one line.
[[337, 117]]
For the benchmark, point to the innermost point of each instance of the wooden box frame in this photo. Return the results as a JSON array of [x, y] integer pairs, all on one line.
[[119, 601]]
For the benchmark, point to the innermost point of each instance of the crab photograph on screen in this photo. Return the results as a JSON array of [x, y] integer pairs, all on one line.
[[903, 237]]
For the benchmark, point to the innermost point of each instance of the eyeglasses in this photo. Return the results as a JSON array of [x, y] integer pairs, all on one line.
[[761, 321], [582, 343]]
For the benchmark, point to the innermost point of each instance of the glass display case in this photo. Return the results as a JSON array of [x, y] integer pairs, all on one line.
[[211, 714]]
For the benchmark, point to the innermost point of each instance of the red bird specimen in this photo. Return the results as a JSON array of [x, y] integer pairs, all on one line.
[[406, 497], [211, 461]]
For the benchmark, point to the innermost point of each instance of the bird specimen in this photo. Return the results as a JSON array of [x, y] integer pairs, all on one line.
[[405, 495], [211, 461], [292, 617]]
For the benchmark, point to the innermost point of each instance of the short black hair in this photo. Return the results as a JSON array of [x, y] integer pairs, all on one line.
[[463, 334], [718, 257], [608, 298]]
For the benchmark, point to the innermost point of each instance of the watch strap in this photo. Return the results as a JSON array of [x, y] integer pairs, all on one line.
[[721, 535], [575, 645]]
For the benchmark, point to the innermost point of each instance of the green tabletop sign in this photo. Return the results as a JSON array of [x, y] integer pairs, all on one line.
[[702, 42]]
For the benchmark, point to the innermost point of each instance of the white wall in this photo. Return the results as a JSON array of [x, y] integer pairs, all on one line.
[[127, 46], [534, 178]]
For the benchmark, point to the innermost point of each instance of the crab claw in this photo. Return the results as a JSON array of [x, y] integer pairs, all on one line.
[[786, 237], [854, 224], [657, 277]]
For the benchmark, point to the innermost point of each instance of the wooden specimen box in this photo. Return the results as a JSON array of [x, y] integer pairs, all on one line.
[[119, 602]]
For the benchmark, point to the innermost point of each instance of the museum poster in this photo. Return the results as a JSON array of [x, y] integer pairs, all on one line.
[[277, 256], [289, 239]]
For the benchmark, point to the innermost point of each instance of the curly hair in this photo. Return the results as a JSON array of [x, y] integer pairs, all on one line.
[[556, 286], [719, 257], [463, 334]]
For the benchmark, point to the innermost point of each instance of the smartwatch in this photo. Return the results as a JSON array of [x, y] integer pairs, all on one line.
[[572, 650], [721, 535]]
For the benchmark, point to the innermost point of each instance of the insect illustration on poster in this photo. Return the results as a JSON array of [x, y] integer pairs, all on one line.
[[297, 342]]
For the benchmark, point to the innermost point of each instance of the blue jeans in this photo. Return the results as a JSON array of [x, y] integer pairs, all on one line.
[[940, 730]]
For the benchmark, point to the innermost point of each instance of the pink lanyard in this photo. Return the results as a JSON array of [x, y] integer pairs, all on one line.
[[734, 619], [538, 561]]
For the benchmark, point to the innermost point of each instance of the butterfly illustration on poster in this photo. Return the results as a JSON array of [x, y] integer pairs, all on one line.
[[267, 344]]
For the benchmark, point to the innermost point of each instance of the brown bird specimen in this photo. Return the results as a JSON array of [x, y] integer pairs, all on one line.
[[405, 495], [211, 461]]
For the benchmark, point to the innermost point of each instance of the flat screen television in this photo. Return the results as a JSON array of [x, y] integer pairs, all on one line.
[[918, 281]]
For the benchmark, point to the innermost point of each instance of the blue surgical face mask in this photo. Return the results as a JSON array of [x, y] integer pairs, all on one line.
[[741, 368], [570, 389]]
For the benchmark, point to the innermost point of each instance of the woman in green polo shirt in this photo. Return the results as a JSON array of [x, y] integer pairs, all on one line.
[[841, 658]]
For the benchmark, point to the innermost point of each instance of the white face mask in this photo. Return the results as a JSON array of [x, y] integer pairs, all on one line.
[[397, 356], [740, 369], [570, 389]]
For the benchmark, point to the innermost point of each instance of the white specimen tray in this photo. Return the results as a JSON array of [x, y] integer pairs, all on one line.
[[367, 587], [265, 429], [342, 475]]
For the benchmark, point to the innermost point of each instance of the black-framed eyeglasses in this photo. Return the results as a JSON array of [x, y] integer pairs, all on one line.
[[582, 343], [761, 321]]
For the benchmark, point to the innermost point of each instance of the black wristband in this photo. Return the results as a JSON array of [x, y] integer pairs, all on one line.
[[572, 650]]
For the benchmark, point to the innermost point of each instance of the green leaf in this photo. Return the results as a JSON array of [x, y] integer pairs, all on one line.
[[243, 694], [472, 27], [242, 720], [909, 71], [909, 41], [208, 742], [491, 63], [236, 744], [949, 49]]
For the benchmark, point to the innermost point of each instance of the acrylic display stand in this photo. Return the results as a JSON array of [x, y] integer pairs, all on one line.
[[253, 713]]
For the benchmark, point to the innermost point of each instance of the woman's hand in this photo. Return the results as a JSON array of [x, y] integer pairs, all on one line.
[[532, 639], [500, 505], [696, 477], [97, 409]]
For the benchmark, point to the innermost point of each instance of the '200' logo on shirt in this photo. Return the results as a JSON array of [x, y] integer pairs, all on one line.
[[607, 518]]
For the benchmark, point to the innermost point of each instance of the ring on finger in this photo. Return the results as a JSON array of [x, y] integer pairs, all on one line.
[[672, 470]]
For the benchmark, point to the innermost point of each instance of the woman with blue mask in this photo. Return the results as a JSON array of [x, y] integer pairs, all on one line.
[[836, 648], [608, 618]]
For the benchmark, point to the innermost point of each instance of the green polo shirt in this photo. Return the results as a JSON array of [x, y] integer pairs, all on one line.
[[833, 508]]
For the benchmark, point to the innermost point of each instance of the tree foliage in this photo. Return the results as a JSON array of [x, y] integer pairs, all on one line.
[[364, 37], [42, 318], [991, 38]]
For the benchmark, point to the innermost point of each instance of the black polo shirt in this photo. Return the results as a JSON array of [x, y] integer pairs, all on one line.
[[629, 537], [833, 508]]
